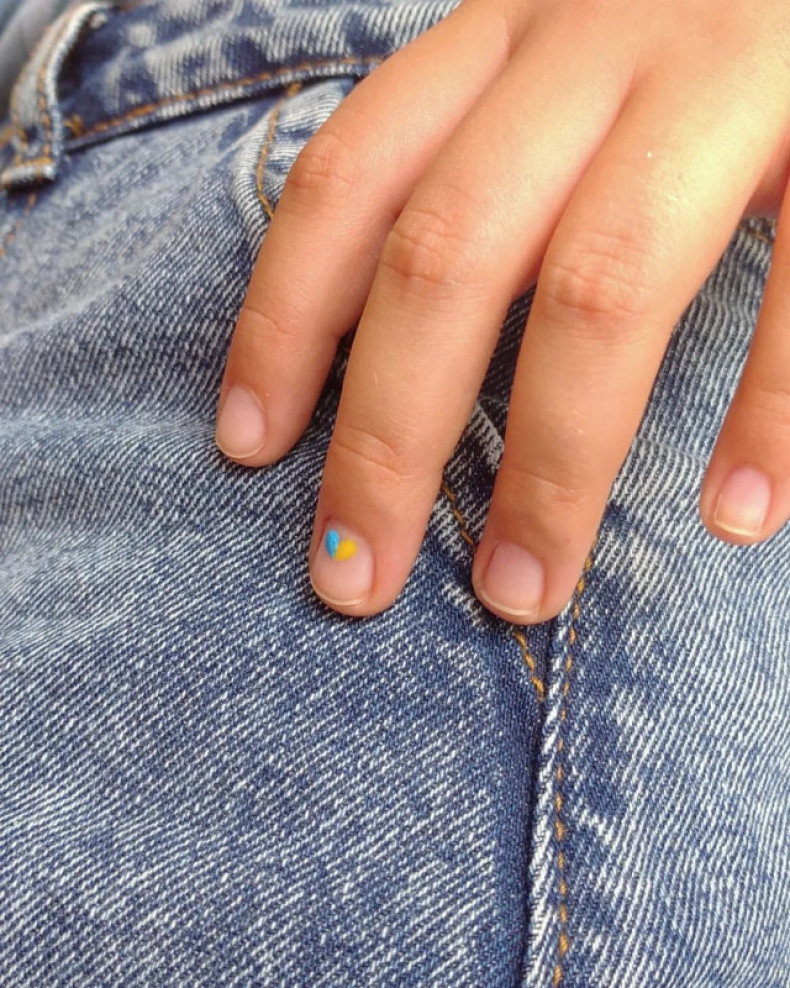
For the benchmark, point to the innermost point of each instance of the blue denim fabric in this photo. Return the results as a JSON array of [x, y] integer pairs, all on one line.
[[206, 777], [21, 26]]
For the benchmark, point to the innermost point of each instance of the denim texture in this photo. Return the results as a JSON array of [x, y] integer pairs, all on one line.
[[208, 778], [21, 26]]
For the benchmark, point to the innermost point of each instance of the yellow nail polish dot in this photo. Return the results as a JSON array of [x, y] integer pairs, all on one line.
[[345, 549]]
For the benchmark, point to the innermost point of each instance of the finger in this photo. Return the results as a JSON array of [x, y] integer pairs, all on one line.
[[479, 219], [746, 493], [643, 229], [318, 258]]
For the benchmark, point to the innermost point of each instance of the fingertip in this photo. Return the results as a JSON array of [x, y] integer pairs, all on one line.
[[736, 511], [241, 430], [510, 583]]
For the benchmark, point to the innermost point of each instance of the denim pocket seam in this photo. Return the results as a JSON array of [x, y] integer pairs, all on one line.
[[9, 237], [527, 656], [260, 171], [752, 231], [74, 123], [560, 828], [45, 158]]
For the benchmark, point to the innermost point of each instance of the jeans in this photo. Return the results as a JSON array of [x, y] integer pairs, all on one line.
[[206, 776]]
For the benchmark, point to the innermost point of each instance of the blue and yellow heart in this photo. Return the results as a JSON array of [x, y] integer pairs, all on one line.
[[339, 548]]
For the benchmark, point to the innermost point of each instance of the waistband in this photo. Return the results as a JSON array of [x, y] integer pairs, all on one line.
[[104, 68]]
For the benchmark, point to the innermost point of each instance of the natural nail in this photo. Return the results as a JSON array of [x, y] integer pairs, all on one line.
[[743, 502], [241, 426], [513, 581]]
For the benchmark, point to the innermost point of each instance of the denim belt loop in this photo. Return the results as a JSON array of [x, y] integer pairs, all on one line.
[[35, 114]]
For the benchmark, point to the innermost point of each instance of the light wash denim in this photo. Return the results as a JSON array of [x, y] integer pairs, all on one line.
[[208, 778], [22, 22]]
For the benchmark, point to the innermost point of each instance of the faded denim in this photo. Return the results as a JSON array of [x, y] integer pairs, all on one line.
[[208, 778]]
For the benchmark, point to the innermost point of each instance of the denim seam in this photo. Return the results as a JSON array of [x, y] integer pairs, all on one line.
[[560, 828], [516, 632], [31, 201], [73, 123], [756, 233], [44, 158], [260, 171]]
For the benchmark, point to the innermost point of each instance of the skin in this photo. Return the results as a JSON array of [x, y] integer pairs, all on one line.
[[494, 152]]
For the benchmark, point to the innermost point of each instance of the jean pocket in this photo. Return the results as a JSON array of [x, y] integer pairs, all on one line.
[[103, 69]]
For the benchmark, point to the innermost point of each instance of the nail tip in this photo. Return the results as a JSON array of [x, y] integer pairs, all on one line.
[[231, 455], [531, 616], [746, 533]]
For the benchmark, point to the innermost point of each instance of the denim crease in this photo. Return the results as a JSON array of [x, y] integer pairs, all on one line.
[[208, 778]]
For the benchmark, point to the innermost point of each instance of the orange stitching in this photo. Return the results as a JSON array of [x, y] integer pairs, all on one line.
[[147, 108], [44, 157], [458, 516], [531, 664], [31, 201], [292, 90], [756, 234], [560, 829], [516, 632], [74, 124]]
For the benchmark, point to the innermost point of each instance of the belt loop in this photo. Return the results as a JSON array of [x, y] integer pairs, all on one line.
[[35, 113]]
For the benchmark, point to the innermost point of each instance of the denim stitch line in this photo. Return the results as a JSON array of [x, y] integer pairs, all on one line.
[[260, 172], [31, 201], [560, 828], [44, 158], [756, 233], [246, 81], [517, 634]]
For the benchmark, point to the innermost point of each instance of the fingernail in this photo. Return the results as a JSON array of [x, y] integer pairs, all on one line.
[[241, 427], [743, 502], [513, 581], [342, 571]]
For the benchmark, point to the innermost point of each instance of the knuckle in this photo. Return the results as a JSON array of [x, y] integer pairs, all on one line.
[[363, 450], [603, 281], [259, 327], [432, 247], [769, 400], [540, 488], [326, 167]]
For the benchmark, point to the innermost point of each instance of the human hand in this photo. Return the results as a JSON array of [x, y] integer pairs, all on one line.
[[606, 150]]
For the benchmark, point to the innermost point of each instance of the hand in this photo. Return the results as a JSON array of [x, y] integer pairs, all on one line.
[[605, 150]]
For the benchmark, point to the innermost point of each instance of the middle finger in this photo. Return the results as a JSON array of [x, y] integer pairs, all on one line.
[[469, 238]]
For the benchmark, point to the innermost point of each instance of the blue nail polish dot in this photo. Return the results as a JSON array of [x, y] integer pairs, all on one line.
[[332, 541]]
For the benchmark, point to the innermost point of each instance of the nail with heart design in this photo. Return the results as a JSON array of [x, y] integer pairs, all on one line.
[[342, 570]]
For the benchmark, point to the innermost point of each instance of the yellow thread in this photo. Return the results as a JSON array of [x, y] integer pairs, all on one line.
[[458, 516], [44, 158], [31, 201], [259, 174], [560, 829], [74, 124], [148, 108], [532, 665], [756, 233]]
